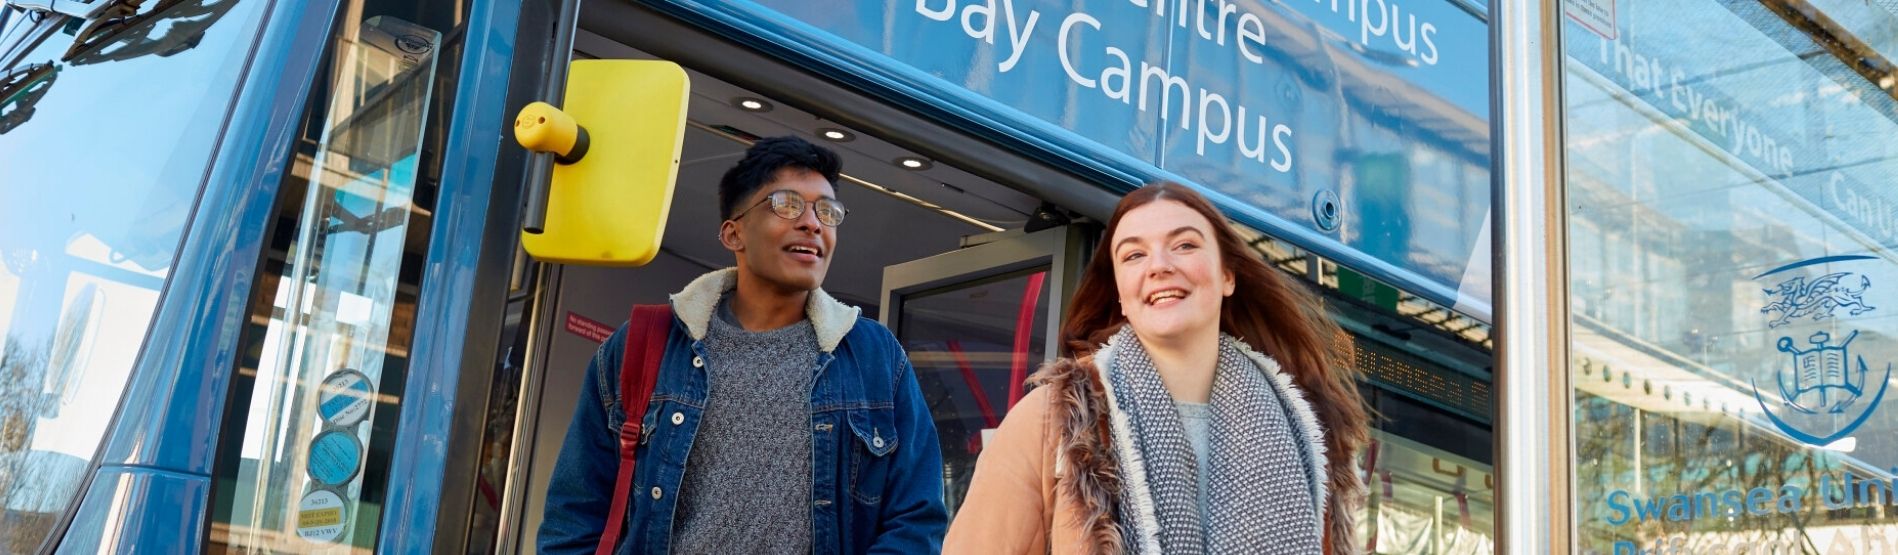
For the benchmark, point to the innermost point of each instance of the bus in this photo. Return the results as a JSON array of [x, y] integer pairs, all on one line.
[[263, 285]]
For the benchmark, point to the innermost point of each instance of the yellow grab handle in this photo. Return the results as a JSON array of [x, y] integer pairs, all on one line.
[[541, 127]]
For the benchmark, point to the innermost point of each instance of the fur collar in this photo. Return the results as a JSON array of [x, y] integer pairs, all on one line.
[[1132, 465], [694, 305], [1095, 457]]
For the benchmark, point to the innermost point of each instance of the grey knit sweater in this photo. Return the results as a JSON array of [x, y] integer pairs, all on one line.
[[747, 482]]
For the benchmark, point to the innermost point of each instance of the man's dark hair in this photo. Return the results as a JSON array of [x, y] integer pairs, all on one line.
[[761, 164]]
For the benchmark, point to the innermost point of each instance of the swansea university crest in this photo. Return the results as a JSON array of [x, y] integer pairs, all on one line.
[[1820, 382]]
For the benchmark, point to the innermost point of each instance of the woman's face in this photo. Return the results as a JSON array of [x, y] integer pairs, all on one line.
[[1168, 272]]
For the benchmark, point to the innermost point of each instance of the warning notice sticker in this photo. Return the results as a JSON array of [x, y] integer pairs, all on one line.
[[587, 327], [1597, 16]]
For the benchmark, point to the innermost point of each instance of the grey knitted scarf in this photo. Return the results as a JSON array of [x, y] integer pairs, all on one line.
[[1263, 497]]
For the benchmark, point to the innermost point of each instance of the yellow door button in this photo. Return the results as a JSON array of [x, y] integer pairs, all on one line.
[[609, 209], [541, 127]]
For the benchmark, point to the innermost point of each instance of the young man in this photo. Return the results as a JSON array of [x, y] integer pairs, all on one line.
[[782, 422]]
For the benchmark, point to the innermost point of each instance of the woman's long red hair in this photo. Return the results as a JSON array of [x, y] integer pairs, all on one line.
[[1269, 311]]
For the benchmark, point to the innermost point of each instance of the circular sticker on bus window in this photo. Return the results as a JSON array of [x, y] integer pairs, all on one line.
[[413, 44], [344, 398], [320, 516], [334, 457]]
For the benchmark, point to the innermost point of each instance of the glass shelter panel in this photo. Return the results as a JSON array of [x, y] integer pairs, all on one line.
[[1733, 281]]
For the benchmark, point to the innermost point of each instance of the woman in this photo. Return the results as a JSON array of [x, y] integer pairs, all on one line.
[[1207, 406]]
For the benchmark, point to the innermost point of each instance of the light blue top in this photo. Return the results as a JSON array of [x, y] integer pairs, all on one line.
[[1199, 424]]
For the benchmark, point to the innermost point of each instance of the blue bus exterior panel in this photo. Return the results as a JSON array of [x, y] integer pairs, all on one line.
[[178, 527], [463, 289], [1358, 129]]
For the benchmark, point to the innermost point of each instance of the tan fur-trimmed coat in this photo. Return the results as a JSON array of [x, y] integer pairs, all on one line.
[[1048, 480]]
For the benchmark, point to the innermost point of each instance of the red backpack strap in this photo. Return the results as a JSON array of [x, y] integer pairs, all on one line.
[[645, 343]]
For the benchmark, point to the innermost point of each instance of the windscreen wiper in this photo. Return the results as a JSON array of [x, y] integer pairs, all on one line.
[[20, 89], [98, 15], [123, 37], [115, 30], [75, 8]]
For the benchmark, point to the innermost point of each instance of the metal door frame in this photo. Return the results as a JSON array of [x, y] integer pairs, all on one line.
[[1534, 427]]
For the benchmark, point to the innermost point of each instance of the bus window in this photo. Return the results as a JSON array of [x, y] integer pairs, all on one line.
[[105, 133], [304, 447]]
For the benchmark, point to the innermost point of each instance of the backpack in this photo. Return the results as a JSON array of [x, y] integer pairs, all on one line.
[[646, 337]]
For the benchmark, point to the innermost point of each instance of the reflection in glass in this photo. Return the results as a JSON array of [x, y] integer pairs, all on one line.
[[1423, 500], [1429, 485], [125, 35], [100, 175], [1732, 276], [20, 89]]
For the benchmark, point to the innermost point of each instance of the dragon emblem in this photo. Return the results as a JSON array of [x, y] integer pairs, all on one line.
[[1819, 299]]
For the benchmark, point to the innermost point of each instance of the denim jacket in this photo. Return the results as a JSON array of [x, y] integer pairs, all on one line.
[[876, 467]]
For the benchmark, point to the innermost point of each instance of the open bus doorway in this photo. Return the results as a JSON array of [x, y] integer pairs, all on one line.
[[972, 334]]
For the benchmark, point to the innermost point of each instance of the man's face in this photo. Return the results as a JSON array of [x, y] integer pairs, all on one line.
[[792, 254]]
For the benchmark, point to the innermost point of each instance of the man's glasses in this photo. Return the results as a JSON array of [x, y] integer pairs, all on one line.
[[790, 206]]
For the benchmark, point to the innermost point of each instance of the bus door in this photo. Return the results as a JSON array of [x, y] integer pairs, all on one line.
[[976, 322]]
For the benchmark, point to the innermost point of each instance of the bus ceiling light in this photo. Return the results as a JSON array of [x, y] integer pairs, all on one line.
[[836, 135], [913, 163], [750, 104]]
